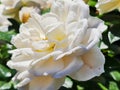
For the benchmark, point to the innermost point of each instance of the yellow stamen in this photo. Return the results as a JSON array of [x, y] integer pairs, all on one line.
[[25, 17]]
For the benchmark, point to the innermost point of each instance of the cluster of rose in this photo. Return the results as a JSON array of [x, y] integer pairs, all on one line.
[[59, 44]]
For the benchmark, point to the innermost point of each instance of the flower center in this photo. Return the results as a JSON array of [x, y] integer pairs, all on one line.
[[44, 46], [25, 17]]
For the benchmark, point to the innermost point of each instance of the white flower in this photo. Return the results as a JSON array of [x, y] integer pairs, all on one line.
[[25, 13], [105, 6], [4, 23], [12, 7], [56, 44]]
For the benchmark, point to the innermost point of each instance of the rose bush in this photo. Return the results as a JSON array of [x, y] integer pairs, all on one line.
[[105, 6], [59, 43]]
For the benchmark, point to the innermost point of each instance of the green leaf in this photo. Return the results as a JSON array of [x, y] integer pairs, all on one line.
[[113, 86], [45, 10], [5, 85], [4, 72], [92, 3], [115, 48], [112, 38], [110, 53], [4, 52], [102, 86], [115, 75], [68, 83], [79, 87], [6, 36], [115, 30], [102, 45], [112, 17]]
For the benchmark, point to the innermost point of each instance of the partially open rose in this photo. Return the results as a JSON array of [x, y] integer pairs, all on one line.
[[105, 6], [59, 43], [4, 23]]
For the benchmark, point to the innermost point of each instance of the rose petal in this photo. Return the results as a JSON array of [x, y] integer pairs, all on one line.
[[78, 33], [47, 65], [22, 54], [79, 50], [98, 23], [78, 7], [23, 82], [44, 83], [57, 33], [24, 77], [77, 12], [22, 65], [49, 21], [60, 8], [94, 65], [36, 25], [94, 38], [94, 57], [46, 57], [21, 58], [71, 65]]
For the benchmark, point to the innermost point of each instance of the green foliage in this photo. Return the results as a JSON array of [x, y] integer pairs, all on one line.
[[115, 75], [45, 11], [79, 87], [102, 86], [5, 85], [68, 83], [113, 86], [6, 36], [92, 3], [4, 72]]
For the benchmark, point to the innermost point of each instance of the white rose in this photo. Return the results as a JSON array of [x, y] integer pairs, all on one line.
[[105, 6], [56, 44]]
